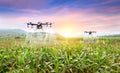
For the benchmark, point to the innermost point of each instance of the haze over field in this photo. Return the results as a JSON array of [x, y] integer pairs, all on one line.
[[69, 17]]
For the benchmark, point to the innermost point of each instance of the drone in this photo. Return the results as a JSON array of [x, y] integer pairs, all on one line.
[[90, 32], [39, 25]]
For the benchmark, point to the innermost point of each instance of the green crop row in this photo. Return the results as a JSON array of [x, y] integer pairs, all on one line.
[[71, 57]]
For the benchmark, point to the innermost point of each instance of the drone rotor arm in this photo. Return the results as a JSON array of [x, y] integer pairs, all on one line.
[[86, 32]]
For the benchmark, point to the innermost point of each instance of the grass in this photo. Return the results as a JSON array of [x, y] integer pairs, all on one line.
[[100, 56]]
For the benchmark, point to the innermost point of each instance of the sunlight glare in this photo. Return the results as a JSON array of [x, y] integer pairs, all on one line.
[[66, 33]]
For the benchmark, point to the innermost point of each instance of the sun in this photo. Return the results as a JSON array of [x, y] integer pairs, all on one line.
[[66, 33]]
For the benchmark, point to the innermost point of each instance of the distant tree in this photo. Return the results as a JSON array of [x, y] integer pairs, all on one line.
[[17, 37]]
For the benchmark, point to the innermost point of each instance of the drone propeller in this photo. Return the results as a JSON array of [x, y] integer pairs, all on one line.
[[39, 23], [85, 31], [30, 23], [27, 25], [50, 24], [93, 31], [46, 24]]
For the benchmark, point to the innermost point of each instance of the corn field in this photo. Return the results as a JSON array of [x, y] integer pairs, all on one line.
[[100, 56]]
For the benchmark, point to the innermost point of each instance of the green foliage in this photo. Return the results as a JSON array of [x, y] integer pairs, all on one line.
[[100, 56]]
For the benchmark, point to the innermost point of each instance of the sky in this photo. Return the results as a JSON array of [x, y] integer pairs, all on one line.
[[70, 17]]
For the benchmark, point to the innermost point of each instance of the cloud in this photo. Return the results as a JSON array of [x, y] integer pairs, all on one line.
[[23, 3], [76, 20], [105, 2], [47, 6]]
